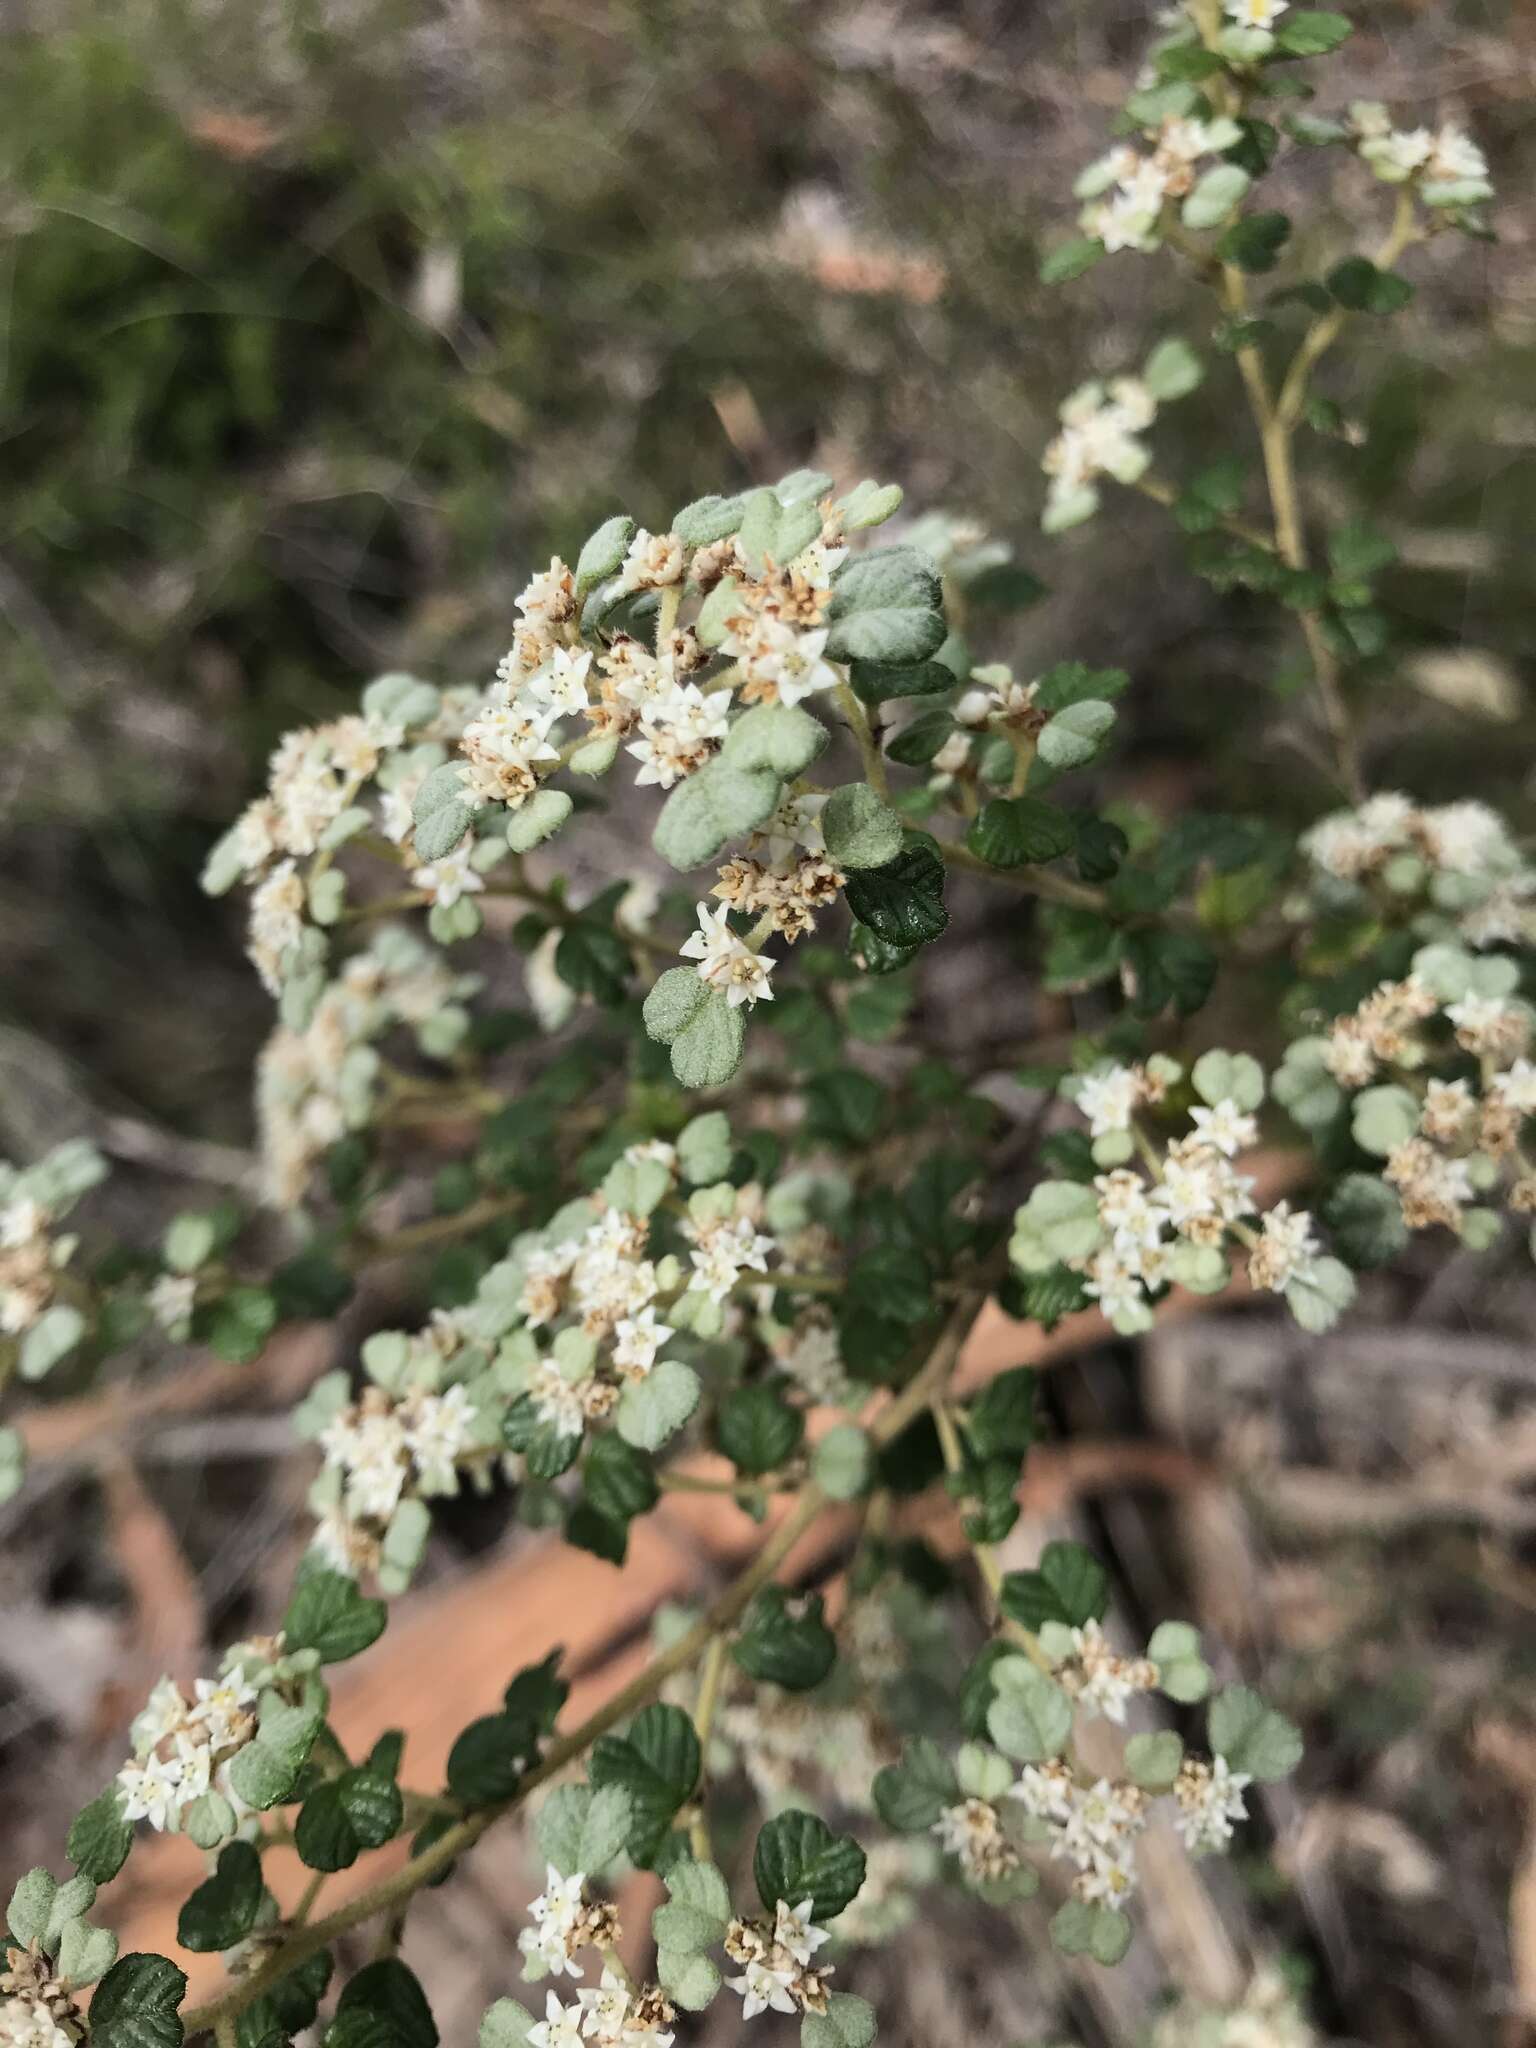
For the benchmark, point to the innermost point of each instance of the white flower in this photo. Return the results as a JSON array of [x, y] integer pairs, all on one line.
[[1397, 154], [726, 963], [556, 1915], [763, 1988], [560, 2026], [446, 880], [637, 1339], [1286, 1252], [560, 686], [152, 1790], [793, 664], [222, 1708], [1209, 1798], [1262, 14], [794, 1933], [1226, 1127], [1516, 1089], [438, 1433], [556, 1400], [1109, 1099], [724, 1253], [171, 1300]]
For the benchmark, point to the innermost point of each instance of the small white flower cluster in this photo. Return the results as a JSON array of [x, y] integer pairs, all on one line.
[[609, 2014], [354, 779], [1460, 857], [785, 875], [1177, 1217], [1444, 165], [34, 1200], [565, 1921], [1208, 1798], [1098, 1678], [314, 778], [1127, 189], [1101, 429], [316, 1082], [1094, 1827], [35, 2023], [380, 1447], [777, 1973], [37, 2009], [973, 1831], [1446, 1138], [182, 1748]]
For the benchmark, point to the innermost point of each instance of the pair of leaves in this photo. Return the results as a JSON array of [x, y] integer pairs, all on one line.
[[695, 1917], [656, 1762], [359, 1809], [703, 1031], [584, 1828]]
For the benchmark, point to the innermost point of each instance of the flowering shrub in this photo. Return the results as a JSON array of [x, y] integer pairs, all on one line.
[[787, 1269]]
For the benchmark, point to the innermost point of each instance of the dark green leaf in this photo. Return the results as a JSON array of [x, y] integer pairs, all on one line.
[[911, 1795], [1254, 242], [549, 1451], [1359, 285], [1068, 1585], [223, 1909], [538, 1692], [1001, 1420], [757, 1429], [1100, 848], [878, 681], [329, 1615], [359, 1810], [99, 1838], [903, 902], [387, 1993], [1074, 682], [785, 1641], [657, 1763], [592, 959], [916, 744], [619, 1481], [238, 1324], [1013, 831], [798, 1857], [135, 2004], [488, 1759], [1170, 967]]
